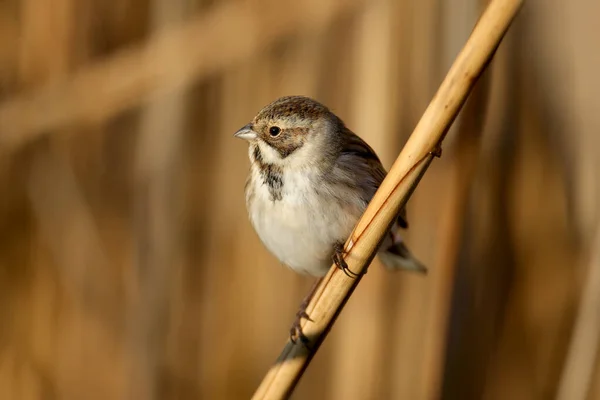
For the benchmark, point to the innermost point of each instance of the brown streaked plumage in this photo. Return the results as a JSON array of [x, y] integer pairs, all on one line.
[[310, 180], [293, 108]]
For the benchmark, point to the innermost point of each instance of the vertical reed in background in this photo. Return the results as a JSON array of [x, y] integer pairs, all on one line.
[[157, 223]]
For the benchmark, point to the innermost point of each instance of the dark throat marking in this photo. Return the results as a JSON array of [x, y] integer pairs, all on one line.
[[271, 175], [257, 155]]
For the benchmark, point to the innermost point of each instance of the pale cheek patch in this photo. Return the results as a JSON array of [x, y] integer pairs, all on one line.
[[269, 154]]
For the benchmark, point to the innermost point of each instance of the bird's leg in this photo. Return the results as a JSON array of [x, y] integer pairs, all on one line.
[[296, 330], [338, 259]]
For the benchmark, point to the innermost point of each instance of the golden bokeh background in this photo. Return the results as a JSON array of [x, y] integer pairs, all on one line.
[[128, 267]]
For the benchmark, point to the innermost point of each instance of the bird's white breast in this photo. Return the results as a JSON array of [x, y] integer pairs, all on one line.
[[301, 228]]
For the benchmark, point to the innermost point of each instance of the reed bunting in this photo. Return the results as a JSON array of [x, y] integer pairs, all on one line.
[[310, 180]]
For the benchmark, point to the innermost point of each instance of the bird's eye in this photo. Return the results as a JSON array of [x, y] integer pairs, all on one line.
[[274, 131]]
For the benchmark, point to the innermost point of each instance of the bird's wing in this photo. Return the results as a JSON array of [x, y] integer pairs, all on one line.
[[355, 146]]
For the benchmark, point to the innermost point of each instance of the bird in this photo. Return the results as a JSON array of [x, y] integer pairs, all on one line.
[[310, 180]]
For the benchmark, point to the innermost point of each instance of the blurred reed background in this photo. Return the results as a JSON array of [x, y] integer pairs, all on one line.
[[129, 270]]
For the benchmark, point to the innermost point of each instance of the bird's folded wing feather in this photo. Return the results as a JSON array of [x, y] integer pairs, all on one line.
[[354, 145]]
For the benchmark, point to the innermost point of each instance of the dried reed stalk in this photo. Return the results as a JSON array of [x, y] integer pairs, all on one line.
[[395, 190]]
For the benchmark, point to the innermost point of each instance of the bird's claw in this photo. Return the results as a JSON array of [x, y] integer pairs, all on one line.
[[437, 151], [338, 259], [296, 330]]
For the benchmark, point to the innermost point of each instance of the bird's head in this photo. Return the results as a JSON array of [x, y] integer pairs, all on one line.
[[293, 130]]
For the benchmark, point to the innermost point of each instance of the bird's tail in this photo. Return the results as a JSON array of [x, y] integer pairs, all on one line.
[[395, 255]]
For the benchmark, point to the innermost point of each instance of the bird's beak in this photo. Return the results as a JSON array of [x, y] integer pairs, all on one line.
[[245, 133]]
